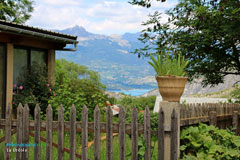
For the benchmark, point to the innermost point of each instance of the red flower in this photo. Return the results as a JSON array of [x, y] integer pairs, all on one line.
[[14, 86], [13, 102], [47, 85], [50, 90], [20, 87]]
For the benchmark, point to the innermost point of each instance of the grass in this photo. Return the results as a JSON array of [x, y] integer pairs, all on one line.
[[78, 147], [43, 146]]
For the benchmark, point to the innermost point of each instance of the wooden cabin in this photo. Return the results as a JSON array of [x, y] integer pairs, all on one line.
[[20, 46]]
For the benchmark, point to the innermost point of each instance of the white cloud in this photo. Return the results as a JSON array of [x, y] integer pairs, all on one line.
[[97, 16]]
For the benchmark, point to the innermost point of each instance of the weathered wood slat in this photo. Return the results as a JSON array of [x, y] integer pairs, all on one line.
[[213, 118], [147, 134], [49, 133], [8, 132], [84, 133], [97, 133], [235, 122], [72, 133], [122, 134], [160, 135], [61, 133], [134, 133], [109, 132], [174, 135], [26, 130], [37, 152], [19, 130]]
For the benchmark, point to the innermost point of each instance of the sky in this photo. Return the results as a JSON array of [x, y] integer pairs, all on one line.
[[96, 16]]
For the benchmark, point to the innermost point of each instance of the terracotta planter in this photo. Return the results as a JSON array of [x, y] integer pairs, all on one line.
[[171, 87]]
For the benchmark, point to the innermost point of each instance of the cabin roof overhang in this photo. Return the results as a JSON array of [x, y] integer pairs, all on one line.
[[37, 33]]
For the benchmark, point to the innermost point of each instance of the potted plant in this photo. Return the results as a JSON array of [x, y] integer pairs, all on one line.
[[170, 76]]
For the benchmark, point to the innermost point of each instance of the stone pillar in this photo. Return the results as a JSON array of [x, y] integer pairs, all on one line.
[[167, 108], [51, 67], [9, 74]]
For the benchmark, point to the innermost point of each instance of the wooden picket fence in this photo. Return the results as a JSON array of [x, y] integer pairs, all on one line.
[[23, 127], [221, 115]]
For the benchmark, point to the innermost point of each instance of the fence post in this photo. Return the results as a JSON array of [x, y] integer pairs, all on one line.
[[37, 153], [147, 133], [72, 133], [19, 130], [60, 133], [213, 118], [235, 122], [8, 126], [134, 134], [49, 133], [97, 133], [26, 130], [160, 135], [174, 135], [122, 134], [167, 108], [109, 145], [84, 133]]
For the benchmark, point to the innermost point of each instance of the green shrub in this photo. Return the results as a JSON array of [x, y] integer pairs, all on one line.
[[33, 88], [209, 142], [76, 84], [139, 102]]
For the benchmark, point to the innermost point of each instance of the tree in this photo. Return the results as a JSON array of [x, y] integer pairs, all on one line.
[[76, 84], [206, 32], [16, 10], [144, 3]]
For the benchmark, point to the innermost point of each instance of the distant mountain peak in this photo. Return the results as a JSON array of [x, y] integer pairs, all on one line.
[[77, 27]]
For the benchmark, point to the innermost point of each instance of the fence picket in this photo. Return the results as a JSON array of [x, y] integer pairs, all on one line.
[[49, 133], [213, 118], [235, 122], [122, 134], [147, 133], [19, 130], [26, 130], [134, 131], [109, 146], [84, 133], [37, 153], [97, 133], [61, 133], [8, 131], [174, 135], [160, 135], [72, 132]]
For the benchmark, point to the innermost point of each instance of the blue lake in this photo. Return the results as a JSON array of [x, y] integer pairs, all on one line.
[[133, 92]]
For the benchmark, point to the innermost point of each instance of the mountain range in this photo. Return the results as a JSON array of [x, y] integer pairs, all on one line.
[[111, 56], [120, 69]]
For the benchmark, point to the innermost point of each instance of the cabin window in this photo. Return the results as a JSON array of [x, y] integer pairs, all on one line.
[[24, 59], [2, 79]]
